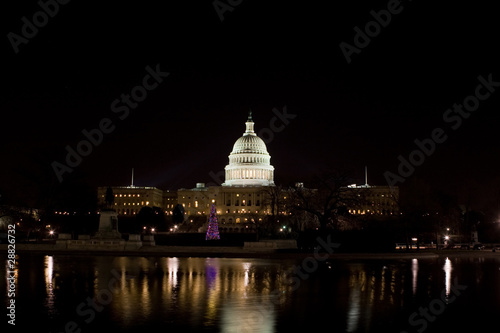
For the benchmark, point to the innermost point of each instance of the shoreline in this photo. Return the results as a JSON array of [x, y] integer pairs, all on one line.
[[240, 252]]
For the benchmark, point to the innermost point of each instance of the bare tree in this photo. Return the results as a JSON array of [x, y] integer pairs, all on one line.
[[327, 199], [275, 197]]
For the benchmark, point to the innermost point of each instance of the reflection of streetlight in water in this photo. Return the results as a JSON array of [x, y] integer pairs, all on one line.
[[49, 283], [414, 272], [447, 277]]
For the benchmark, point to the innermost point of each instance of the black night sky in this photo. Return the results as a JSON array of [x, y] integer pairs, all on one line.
[[260, 57]]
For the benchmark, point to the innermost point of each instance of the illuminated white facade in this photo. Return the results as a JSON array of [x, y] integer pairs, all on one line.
[[249, 162], [130, 199]]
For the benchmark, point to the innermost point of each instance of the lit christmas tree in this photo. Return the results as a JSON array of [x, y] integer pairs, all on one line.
[[213, 227]]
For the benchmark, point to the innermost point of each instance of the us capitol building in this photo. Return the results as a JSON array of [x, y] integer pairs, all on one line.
[[244, 198]]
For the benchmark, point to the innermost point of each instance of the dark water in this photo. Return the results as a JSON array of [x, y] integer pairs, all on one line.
[[136, 294]]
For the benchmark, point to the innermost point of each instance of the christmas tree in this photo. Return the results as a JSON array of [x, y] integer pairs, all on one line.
[[213, 227]]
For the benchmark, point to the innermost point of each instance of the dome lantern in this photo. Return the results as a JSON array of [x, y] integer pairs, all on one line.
[[249, 124]]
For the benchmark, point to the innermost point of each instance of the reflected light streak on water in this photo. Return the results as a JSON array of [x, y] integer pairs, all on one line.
[[354, 309], [246, 267], [173, 267], [145, 303], [447, 279], [49, 283], [414, 274], [357, 307], [213, 285]]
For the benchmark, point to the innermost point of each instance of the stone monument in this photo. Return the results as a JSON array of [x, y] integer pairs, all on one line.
[[108, 225]]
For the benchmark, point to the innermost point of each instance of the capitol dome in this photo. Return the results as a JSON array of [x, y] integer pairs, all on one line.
[[249, 162]]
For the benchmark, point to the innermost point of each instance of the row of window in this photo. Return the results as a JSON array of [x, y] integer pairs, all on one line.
[[367, 212], [127, 195], [243, 211], [133, 203], [135, 211]]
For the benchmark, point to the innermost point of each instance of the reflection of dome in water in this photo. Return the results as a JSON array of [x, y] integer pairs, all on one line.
[[249, 162]]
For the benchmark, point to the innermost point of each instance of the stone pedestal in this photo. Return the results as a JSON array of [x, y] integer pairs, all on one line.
[[108, 226]]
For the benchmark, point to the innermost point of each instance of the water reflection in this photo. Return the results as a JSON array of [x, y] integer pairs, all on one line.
[[49, 283], [213, 284], [231, 295], [447, 276], [414, 274], [202, 292], [172, 268], [354, 309]]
